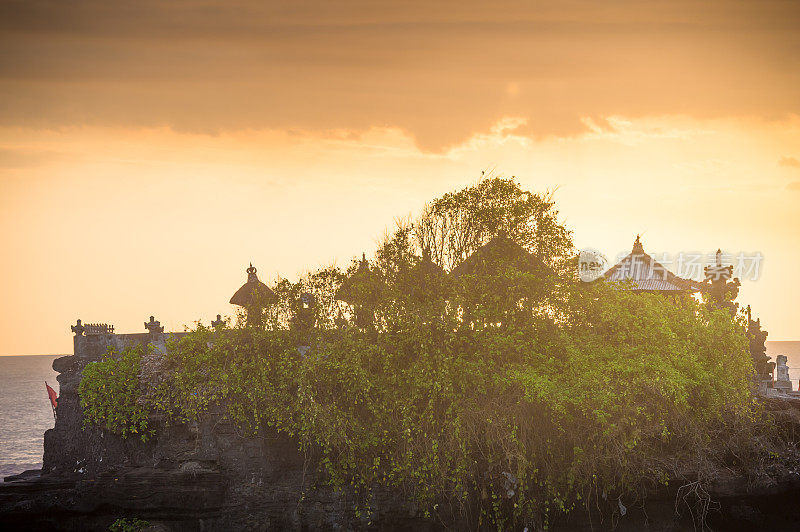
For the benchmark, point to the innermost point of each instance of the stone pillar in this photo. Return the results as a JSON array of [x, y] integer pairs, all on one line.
[[782, 381], [156, 334]]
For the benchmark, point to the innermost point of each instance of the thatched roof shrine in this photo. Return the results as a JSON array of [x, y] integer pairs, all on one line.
[[499, 253], [362, 287], [253, 292]]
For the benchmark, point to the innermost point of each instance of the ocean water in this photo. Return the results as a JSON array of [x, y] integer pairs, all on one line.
[[25, 411]]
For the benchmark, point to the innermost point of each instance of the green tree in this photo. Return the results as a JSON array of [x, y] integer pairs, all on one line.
[[455, 225]]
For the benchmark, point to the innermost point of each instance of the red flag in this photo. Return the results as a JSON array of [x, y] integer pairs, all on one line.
[[53, 397]]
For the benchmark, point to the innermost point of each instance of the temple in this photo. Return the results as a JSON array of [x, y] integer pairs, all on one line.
[[431, 278], [361, 290], [639, 272], [253, 291], [721, 287], [253, 296]]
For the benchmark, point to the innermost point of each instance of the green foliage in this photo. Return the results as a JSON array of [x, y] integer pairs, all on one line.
[[125, 524], [453, 226], [111, 394], [513, 394]]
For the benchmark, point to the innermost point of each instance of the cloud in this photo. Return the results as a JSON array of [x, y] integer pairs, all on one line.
[[789, 161], [23, 158], [795, 185], [440, 71]]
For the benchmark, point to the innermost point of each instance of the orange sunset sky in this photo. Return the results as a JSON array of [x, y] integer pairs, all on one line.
[[149, 150]]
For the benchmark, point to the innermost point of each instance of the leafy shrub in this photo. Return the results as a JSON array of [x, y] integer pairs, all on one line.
[[111, 394], [125, 524]]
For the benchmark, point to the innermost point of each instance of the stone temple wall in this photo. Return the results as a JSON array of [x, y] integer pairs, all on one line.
[[93, 347]]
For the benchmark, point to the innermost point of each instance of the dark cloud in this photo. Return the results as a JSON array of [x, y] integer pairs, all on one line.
[[789, 161], [437, 69]]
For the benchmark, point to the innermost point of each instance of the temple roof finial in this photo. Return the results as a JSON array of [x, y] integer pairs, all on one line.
[[638, 249], [251, 274]]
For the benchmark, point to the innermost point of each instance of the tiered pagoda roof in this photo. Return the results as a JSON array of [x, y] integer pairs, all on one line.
[[427, 268], [429, 277], [646, 275], [360, 288]]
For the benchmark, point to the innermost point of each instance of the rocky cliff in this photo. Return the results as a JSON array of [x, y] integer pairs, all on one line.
[[208, 476], [202, 476]]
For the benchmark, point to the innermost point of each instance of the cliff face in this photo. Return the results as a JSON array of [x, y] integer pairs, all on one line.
[[203, 475], [207, 476]]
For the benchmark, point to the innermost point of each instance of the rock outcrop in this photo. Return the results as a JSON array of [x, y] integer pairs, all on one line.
[[199, 476], [208, 476]]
